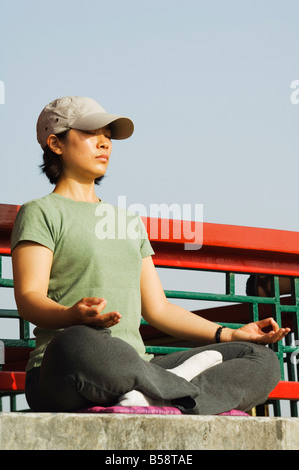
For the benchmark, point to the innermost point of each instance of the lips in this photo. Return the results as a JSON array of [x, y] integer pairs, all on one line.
[[102, 158]]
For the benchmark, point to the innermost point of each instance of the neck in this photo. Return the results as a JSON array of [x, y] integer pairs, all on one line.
[[72, 189]]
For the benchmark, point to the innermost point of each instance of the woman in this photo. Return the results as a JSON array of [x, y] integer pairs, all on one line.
[[84, 285]]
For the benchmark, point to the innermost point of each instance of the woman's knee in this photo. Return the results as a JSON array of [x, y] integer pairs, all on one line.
[[272, 368], [81, 349]]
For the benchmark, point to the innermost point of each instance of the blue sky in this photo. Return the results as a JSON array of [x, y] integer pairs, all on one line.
[[206, 83]]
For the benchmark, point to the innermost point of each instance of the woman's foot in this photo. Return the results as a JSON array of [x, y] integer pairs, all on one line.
[[196, 364], [192, 367], [136, 398]]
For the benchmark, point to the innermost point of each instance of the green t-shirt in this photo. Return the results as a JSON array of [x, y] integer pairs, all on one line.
[[98, 250]]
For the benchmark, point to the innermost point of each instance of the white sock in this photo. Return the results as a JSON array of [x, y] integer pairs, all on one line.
[[196, 364], [136, 398], [188, 370]]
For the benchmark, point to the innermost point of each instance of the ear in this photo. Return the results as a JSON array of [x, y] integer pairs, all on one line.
[[54, 144]]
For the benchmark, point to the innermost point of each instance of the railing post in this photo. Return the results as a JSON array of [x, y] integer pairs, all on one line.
[[230, 283]]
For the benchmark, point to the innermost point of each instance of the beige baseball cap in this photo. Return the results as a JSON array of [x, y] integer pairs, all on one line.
[[84, 114]]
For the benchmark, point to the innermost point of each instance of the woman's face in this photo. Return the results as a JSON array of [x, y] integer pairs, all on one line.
[[86, 154]]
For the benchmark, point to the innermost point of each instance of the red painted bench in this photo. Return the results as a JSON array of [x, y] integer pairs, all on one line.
[[226, 249]]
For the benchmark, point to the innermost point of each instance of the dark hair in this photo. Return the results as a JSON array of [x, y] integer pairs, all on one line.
[[52, 165]]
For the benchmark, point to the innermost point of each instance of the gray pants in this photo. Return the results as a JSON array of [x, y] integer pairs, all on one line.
[[84, 366]]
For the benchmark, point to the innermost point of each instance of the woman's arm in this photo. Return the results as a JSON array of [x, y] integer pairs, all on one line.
[[180, 323], [31, 272]]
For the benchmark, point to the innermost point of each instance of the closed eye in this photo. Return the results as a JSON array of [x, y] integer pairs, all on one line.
[[106, 132]]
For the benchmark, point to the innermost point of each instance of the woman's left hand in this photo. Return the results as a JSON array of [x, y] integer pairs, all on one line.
[[253, 332]]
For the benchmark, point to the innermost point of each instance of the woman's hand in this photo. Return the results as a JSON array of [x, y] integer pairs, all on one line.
[[253, 332], [88, 311]]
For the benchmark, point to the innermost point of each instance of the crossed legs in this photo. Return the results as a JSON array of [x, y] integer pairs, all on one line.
[[84, 366]]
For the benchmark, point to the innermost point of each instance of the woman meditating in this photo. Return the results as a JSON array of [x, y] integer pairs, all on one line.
[[84, 275]]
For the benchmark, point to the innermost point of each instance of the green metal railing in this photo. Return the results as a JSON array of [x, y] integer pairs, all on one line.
[[277, 309]]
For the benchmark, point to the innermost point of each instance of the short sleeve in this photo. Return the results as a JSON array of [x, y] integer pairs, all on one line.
[[145, 248], [32, 224]]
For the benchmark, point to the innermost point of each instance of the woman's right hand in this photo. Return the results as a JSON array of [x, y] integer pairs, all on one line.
[[88, 311]]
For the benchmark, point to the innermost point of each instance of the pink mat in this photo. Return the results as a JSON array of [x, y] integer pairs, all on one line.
[[149, 410], [234, 413]]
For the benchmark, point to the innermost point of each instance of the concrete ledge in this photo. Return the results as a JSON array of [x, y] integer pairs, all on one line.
[[69, 431]]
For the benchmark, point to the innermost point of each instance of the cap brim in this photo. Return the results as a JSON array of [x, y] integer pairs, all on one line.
[[121, 127]]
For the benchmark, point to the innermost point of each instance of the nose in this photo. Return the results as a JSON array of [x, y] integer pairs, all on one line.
[[103, 141]]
